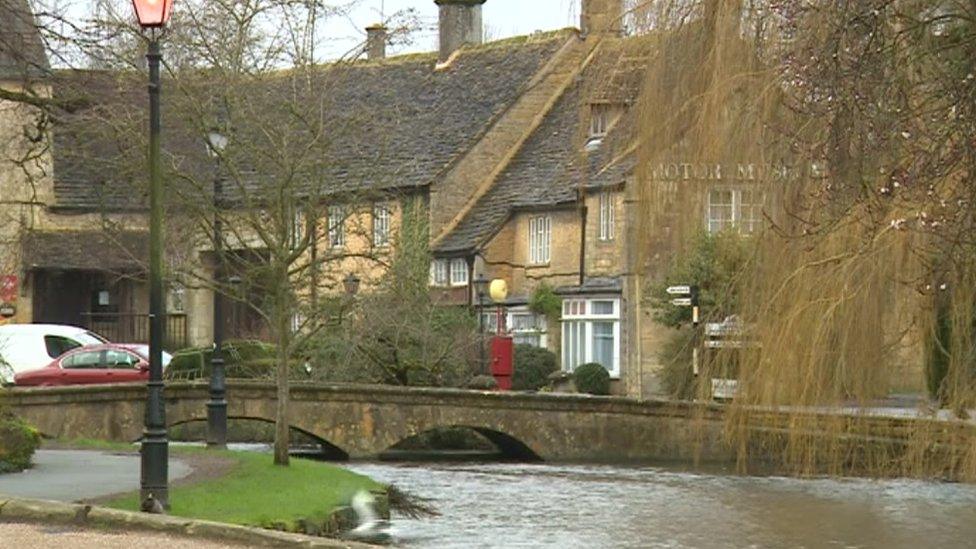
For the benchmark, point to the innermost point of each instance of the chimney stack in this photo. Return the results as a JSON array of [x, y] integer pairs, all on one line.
[[376, 42], [602, 16], [460, 24]]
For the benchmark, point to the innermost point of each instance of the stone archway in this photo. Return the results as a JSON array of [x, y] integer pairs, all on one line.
[[507, 446], [330, 451]]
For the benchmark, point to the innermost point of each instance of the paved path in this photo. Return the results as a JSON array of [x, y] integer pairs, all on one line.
[[72, 475], [34, 536]]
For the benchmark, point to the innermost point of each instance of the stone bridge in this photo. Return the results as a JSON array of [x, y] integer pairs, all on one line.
[[364, 421]]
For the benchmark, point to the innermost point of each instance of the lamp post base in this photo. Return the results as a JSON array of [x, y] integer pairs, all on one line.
[[155, 468], [217, 425]]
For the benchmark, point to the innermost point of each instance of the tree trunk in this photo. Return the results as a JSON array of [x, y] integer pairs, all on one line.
[[282, 320]]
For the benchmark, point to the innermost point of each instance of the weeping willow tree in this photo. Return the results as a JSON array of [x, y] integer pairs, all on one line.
[[837, 134]]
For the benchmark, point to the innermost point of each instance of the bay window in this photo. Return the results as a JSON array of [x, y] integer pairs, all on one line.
[[525, 327], [591, 333]]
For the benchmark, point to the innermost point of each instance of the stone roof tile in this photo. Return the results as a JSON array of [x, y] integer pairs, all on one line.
[[547, 172], [410, 123]]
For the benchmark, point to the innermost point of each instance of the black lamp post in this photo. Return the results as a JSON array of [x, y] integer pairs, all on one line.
[[481, 290], [153, 16], [217, 406], [351, 285]]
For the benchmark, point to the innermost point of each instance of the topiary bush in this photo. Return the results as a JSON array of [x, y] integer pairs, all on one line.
[[532, 367], [18, 441], [592, 378]]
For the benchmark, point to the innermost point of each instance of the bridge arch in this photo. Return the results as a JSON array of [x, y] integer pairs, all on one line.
[[330, 451], [508, 446]]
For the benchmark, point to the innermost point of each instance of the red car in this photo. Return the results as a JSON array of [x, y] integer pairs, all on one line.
[[92, 364]]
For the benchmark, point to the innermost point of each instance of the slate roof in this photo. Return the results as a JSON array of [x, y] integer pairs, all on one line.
[[547, 172], [85, 250], [21, 50], [408, 124]]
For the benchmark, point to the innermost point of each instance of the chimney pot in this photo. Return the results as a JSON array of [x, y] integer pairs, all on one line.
[[376, 41], [602, 16], [460, 24]]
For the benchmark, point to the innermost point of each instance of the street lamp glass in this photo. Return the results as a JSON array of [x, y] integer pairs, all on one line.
[[498, 290], [351, 284], [481, 285], [153, 13]]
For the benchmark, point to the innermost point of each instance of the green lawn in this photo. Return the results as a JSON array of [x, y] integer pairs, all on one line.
[[257, 493]]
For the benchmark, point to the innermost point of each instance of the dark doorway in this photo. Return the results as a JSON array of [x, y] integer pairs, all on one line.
[[62, 297]]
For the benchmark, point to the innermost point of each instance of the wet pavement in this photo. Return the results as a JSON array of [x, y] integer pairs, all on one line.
[[72, 475]]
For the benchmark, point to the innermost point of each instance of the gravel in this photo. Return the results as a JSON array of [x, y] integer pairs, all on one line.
[[33, 536]]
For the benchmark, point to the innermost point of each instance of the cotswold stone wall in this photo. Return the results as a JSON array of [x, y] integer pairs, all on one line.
[[364, 421]]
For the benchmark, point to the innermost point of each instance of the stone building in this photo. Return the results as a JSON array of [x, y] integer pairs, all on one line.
[[525, 168]]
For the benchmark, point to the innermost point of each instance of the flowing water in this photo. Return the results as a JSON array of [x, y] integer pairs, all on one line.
[[516, 505]]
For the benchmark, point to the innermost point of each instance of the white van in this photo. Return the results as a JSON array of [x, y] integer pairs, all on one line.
[[29, 346]]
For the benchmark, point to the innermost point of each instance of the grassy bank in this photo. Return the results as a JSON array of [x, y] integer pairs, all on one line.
[[255, 492]]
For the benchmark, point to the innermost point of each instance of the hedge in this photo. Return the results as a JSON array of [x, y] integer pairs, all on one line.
[[18, 441], [243, 359], [532, 367]]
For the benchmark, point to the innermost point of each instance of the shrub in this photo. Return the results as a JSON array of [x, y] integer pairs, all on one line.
[[592, 378], [532, 367], [17, 443], [676, 356], [243, 359]]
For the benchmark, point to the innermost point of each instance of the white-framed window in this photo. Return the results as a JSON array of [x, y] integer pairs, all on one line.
[[297, 229], [733, 208], [591, 333], [600, 119], [381, 225], [606, 216], [459, 272], [540, 239], [337, 229], [525, 327], [439, 272]]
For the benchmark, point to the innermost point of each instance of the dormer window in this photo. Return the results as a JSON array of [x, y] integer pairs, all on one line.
[[601, 116]]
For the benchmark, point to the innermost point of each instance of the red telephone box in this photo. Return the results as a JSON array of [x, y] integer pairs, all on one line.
[[502, 361]]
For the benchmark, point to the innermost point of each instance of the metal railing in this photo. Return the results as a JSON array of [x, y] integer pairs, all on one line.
[[134, 328]]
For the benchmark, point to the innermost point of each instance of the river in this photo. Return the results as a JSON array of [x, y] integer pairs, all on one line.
[[515, 505]]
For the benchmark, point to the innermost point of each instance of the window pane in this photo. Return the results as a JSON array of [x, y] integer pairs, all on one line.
[[720, 210], [459, 272], [381, 225], [601, 307], [120, 360], [83, 361], [603, 344], [527, 339], [57, 345], [337, 218], [438, 272]]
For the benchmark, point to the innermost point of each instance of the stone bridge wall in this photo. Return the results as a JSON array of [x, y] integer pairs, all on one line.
[[364, 421]]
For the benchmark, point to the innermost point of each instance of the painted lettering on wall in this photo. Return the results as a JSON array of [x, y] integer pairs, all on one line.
[[734, 172]]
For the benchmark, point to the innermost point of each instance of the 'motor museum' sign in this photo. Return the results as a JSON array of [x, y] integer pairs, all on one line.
[[733, 172]]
